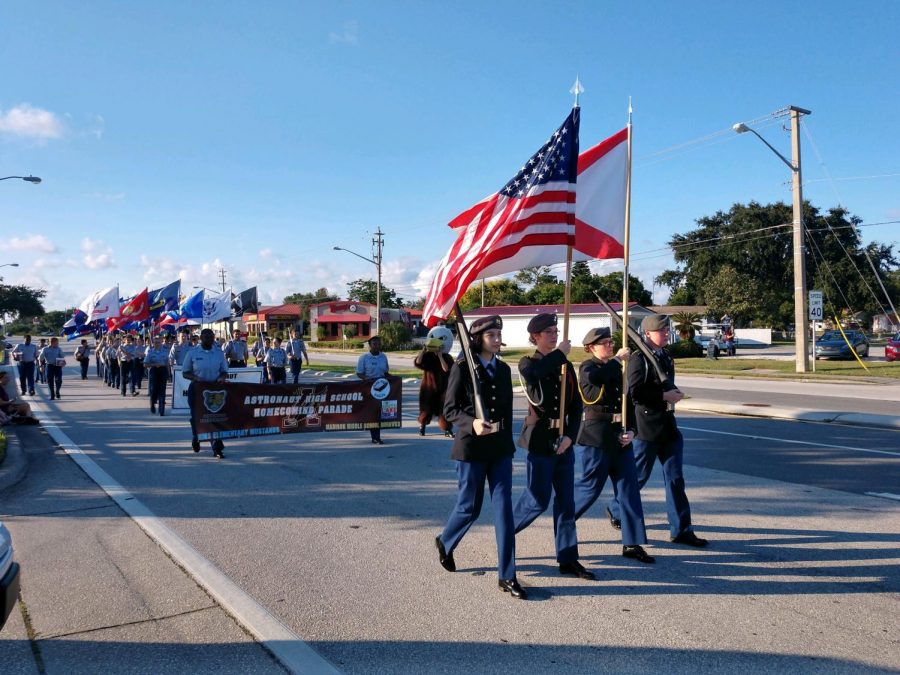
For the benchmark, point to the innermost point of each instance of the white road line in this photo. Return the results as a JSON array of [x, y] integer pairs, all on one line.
[[287, 646], [785, 440], [886, 495]]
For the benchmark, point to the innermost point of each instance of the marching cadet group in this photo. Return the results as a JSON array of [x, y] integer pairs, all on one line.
[[571, 420]]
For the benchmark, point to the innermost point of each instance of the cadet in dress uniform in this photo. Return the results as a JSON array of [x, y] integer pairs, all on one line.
[[603, 448], [156, 361], [236, 351], [125, 355], [26, 355], [180, 350], [371, 366], [52, 358], [206, 363], [41, 365], [137, 370], [483, 450], [276, 363], [296, 350], [112, 362], [83, 356], [657, 433], [259, 353], [551, 458]]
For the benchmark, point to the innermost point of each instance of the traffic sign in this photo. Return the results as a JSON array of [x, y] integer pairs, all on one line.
[[816, 310]]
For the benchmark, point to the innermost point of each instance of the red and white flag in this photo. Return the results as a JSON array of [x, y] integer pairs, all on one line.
[[136, 309], [525, 224], [600, 207]]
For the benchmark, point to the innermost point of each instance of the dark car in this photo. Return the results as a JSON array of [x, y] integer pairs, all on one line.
[[892, 348], [832, 345], [9, 576]]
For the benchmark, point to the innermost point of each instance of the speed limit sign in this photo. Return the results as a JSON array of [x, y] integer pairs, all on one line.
[[816, 312]]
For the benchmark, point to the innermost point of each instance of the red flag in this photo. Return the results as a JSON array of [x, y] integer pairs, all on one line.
[[524, 224], [136, 309], [600, 207]]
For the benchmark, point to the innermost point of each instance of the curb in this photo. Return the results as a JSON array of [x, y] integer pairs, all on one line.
[[15, 466], [794, 414]]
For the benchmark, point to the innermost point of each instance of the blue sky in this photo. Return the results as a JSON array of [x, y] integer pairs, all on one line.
[[177, 138]]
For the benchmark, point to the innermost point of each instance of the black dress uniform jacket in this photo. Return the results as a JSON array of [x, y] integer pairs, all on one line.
[[654, 421], [541, 377], [459, 410], [601, 386]]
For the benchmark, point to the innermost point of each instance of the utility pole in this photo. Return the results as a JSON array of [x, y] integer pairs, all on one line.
[[801, 312], [222, 277], [377, 244]]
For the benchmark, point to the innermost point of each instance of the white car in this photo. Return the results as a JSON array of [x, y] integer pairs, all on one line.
[[9, 576]]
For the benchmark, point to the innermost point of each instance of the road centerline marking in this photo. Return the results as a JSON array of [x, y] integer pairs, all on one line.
[[787, 440]]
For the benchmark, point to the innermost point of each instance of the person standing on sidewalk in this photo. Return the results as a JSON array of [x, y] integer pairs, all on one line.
[[156, 361], [205, 363], [25, 355], [371, 366], [657, 435], [296, 351], [551, 459], [52, 358], [83, 356], [603, 447], [483, 450]]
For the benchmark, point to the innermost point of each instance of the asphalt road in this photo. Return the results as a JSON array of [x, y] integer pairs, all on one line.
[[334, 536]]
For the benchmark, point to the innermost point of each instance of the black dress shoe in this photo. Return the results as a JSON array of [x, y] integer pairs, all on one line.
[[152, 409], [449, 434], [218, 448], [195, 446], [689, 538], [421, 430], [576, 569], [615, 522], [446, 560], [638, 553], [512, 587]]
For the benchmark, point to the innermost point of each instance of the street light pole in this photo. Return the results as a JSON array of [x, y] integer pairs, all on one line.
[[28, 179], [377, 244], [801, 339]]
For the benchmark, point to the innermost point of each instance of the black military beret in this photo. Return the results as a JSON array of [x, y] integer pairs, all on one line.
[[541, 322], [486, 323], [595, 335], [655, 322]]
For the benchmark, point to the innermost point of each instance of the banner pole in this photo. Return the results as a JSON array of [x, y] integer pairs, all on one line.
[[625, 278]]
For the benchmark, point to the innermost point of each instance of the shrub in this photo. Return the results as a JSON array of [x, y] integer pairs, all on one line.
[[394, 335], [685, 349]]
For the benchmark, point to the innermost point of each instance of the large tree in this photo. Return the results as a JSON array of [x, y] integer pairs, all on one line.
[[20, 301], [754, 243], [497, 292], [366, 290]]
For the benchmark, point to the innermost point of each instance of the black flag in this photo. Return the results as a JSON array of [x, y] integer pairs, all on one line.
[[245, 302]]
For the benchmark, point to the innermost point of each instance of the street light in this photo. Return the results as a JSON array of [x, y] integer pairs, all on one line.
[[29, 179], [9, 265], [377, 262], [800, 297]]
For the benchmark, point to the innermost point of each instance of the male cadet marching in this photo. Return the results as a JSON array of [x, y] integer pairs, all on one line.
[[52, 358], [551, 459], [296, 350], [657, 433], [83, 356], [180, 350], [125, 355], [25, 355], [156, 361], [483, 450], [206, 363], [112, 362], [137, 370], [236, 351], [371, 366], [603, 446], [41, 365], [276, 361]]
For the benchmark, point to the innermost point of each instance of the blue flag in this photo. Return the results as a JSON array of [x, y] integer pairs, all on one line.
[[192, 308], [164, 299]]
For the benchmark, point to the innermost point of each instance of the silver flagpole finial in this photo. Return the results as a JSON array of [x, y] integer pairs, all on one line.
[[576, 89]]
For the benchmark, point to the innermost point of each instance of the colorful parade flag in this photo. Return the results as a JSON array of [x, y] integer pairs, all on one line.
[[132, 311], [246, 302], [164, 299], [101, 304], [530, 221], [192, 308], [217, 307], [600, 207], [79, 319]]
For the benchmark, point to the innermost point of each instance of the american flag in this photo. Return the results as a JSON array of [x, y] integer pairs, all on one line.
[[524, 224]]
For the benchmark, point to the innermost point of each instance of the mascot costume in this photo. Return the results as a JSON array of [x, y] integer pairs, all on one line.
[[435, 362]]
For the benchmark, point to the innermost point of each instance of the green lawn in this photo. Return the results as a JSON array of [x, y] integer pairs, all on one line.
[[787, 369]]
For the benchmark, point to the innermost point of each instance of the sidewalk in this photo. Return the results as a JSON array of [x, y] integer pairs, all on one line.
[[97, 593]]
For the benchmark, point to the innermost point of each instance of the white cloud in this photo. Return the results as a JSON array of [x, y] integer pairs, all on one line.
[[26, 121], [265, 253], [348, 35], [97, 254], [35, 242]]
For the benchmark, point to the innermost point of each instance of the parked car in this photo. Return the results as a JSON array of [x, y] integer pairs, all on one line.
[[9, 576], [833, 346], [892, 348]]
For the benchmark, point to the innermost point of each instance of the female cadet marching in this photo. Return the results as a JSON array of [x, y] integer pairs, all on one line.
[[604, 448], [483, 450], [550, 462]]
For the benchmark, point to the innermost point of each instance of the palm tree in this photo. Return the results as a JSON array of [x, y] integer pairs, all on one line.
[[684, 324]]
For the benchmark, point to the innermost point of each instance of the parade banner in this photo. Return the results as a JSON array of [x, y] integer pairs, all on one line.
[[235, 410], [180, 384]]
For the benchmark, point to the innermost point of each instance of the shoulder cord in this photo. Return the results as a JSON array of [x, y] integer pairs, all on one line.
[[599, 396], [527, 397]]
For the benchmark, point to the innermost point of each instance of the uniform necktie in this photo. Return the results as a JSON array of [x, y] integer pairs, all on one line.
[[489, 368]]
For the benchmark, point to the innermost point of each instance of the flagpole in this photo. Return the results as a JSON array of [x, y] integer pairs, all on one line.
[[466, 344], [625, 274], [567, 300]]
